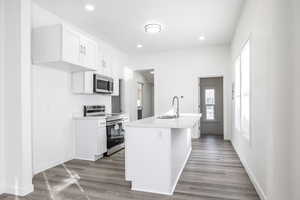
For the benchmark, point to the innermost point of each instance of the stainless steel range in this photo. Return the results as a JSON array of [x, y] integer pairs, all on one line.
[[114, 127]]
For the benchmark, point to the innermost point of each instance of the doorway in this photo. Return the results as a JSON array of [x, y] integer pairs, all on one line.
[[140, 101], [144, 93], [211, 106]]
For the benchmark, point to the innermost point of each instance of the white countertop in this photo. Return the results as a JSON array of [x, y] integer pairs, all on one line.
[[80, 117], [186, 120], [89, 118]]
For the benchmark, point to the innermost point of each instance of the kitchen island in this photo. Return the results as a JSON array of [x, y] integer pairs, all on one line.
[[156, 151]]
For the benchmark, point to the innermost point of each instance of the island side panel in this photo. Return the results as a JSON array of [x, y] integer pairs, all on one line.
[[196, 130], [148, 159], [181, 149]]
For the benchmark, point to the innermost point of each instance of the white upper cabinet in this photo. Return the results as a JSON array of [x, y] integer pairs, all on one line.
[[61, 47]]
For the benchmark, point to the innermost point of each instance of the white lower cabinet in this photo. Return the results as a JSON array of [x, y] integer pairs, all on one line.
[[91, 140]]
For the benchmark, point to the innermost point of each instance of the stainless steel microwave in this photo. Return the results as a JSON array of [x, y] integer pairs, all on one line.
[[103, 84]]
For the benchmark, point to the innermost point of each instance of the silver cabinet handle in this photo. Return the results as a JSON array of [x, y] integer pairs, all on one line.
[[80, 49], [84, 50]]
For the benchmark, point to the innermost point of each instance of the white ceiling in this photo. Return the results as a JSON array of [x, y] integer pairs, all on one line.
[[121, 22]]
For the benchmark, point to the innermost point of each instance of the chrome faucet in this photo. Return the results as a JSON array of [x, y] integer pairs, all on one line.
[[177, 108]]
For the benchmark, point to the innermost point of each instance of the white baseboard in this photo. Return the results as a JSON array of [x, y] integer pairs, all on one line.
[[181, 170], [50, 165], [252, 177], [150, 191], [86, 159], [19, 191], [1, 189], [93, 159]]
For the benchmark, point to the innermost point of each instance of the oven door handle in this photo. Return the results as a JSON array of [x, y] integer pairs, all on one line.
[[113, 122], [116, 137]]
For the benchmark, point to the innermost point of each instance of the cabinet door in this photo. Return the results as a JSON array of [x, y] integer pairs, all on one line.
[[116, 74], [71, 46], [100, 60], [89, 53], [82, 83], [116, 86], [106, 64], [88, 83]]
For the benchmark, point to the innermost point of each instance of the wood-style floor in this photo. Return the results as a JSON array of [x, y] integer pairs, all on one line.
[[213, 172]]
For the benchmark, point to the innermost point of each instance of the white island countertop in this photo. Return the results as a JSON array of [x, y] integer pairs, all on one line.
[[186, 120]]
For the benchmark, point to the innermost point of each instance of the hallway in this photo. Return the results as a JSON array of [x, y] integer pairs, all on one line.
[[213, 172]]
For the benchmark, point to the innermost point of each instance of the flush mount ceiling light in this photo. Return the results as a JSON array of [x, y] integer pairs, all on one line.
[[139, 46], [89, 7], [152, 28], [151, 72], [202, 38]]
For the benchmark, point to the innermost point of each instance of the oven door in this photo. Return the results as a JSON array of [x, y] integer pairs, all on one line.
[[115, 133], [101, 85]]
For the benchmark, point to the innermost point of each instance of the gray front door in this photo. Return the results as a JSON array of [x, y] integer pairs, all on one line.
[[211, 105]]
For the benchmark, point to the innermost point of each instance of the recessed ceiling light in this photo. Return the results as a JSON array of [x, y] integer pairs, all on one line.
[[152, 28], [139, 46], [151, 72], [89, 7], [202, 38]]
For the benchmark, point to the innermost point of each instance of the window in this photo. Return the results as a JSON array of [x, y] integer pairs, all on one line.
[[210, 104], [245, 90], [140, 94], [209, 96], [242, 92], [237, 94]]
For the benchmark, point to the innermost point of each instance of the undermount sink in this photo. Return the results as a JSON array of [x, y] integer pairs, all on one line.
[[167, 117]]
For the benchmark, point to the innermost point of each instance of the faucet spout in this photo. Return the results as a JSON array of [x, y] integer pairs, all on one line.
[[177, 106]]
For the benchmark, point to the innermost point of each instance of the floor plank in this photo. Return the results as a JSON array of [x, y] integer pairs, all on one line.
[[213, 172]]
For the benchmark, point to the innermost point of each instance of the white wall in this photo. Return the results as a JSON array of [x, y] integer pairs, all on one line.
[[295, 172], [254, 24], [17, 108], [53, 107], [281, 88], [266, 156], [177, 73], [54, 104], [1, 95]]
